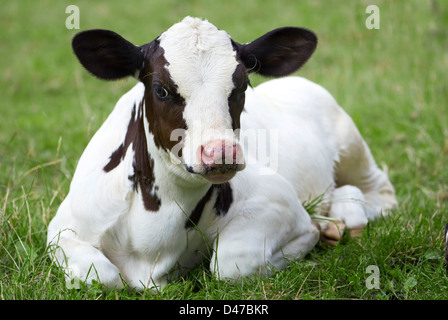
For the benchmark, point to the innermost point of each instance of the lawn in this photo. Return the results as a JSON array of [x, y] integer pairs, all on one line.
[[393, 81]]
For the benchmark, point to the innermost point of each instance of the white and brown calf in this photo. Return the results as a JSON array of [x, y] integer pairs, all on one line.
[[161, 184]]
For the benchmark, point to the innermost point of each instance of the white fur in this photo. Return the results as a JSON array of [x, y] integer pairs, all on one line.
[[103, 223]]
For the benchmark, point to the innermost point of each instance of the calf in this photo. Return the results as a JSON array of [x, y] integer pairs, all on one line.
[[161, 185]]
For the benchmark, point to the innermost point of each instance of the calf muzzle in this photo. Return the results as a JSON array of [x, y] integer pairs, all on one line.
[[221, 160]]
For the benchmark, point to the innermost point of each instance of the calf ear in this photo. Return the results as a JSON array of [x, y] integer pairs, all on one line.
[[279, 52], [107, 55]]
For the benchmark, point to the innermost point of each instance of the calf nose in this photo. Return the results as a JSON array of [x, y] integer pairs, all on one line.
[[220, 152]]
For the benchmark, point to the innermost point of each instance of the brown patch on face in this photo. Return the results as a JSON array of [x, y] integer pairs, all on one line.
[[143, 176], [164, 106], [163, 113], [238, 96]]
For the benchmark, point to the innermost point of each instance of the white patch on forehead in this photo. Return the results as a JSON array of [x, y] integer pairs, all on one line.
[[201, 62], [200, 57]]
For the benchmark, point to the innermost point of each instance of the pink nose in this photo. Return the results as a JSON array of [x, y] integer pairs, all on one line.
[[219, 152]]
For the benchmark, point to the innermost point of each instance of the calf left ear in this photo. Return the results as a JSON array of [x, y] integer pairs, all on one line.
[[279, 52], [107, 55]]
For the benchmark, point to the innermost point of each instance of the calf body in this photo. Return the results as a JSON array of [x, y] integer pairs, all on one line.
[[161, 185]]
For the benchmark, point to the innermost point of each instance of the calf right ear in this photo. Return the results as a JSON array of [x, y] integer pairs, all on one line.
[[107, 55]]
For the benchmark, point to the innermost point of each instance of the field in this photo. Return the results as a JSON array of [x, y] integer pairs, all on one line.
[[393, 81]]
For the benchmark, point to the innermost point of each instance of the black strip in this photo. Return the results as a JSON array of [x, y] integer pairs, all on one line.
[[223, 202], [224, 199], [196, 214]]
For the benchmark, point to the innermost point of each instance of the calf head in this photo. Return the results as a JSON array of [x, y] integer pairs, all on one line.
[[195, 78]]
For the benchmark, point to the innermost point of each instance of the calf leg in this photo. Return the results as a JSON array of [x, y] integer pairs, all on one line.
[[356, 167], [84, 262], [347, 205], [253, 246], [346, 212], [80, 259]]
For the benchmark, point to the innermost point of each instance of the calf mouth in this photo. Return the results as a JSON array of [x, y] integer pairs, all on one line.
[[216, 174]]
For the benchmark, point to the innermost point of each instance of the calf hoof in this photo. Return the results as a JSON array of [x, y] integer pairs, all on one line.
[[356, 232], [333, 233]]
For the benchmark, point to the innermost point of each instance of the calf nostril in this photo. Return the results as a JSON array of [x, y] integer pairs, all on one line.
[[206, 156]]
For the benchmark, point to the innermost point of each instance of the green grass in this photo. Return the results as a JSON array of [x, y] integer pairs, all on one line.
[[393, 81]]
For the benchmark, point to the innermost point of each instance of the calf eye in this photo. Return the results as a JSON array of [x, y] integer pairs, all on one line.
[[161, 92]]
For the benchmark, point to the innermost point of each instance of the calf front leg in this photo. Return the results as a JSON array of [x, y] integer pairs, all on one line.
[[263, 239], [84, 262], [347, 210]]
